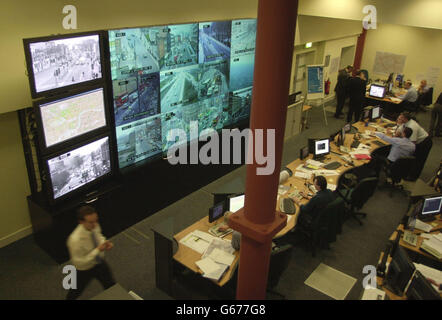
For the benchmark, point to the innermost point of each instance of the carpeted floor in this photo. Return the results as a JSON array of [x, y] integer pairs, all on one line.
[[27, 272]]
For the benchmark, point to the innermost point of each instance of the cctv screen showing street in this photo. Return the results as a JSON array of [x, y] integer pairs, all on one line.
[[76, 168], [71, 117], [166, 77], [64, 62]]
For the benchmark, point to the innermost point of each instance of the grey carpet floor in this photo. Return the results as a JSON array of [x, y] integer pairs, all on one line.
[[27, 272]]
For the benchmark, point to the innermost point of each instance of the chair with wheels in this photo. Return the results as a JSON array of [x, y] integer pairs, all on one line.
[[356, 197], [400, 170], [279, 261]]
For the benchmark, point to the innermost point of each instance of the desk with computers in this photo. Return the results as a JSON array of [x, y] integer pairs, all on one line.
[[414, 240], [323, 156]]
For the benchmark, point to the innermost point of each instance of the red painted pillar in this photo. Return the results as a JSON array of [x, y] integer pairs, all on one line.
[[258, 221], [359, 50]]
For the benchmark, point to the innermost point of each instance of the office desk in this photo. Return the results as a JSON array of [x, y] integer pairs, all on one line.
[[116, 292], [390, 108], [417, 249], [187, 256]]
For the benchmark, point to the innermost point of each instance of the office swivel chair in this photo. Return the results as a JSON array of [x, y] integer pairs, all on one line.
[[325, 225], [356, 197], [279, 261], [400, 170]]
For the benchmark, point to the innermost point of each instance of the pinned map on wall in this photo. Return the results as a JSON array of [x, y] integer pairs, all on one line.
[[386, 63], [431, 76], [334, 65]]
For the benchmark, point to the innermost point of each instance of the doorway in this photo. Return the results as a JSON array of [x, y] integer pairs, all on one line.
[[347, 56]]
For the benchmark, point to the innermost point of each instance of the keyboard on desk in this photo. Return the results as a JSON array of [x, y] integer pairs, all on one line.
[[287, 206], [332, 165]]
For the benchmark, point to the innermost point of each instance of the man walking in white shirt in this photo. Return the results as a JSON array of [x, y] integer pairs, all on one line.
[[86, 247]]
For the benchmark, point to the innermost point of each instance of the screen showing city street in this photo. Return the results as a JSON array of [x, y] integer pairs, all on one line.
[[64, 62], [80, 166], [136, 97], [214, 41]]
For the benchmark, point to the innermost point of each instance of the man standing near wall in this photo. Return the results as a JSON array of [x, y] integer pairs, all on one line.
[[341, 89], [356, 89], [86, 247]]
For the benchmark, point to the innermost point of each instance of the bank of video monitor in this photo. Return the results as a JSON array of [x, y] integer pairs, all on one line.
[[59, 63], [67, 118], [178, 76], [78, 167]]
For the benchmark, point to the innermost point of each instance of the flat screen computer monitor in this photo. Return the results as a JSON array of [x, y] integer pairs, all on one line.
[[347, 127], [375, 113], [322, 147], [432, 206], [79, 167], [421, 289], [400, 271], [377, 91], [236, 203], [73, 116], [216, 212]]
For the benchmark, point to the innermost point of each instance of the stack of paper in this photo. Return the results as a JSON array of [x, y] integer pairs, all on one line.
[[283, 189], [431, 273], [217, 259], [314, 163], [197, 240], [303, 175], [433, 246]]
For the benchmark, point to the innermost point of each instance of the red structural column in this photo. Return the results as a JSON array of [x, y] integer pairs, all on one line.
[[258, 221], [359, 50]]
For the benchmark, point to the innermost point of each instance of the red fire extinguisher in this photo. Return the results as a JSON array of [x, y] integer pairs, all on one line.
[[327, 86]]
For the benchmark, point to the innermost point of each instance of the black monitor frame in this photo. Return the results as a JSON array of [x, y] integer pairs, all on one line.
[[318, 156], [60, 90], [379, 86], [213, 218], [304, 153], [421, 289], [421, 215], [74, 140], [48, 186], [371, 113], [397, 277]]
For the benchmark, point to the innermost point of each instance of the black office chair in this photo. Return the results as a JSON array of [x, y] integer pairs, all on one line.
[[322, 229], [425, 99], [400, 170], [356, 197], [279, 261]]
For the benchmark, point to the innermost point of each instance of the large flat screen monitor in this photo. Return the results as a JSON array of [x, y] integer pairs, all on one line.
[[76, 168], [66, 118], [377, 91], [59, 63]]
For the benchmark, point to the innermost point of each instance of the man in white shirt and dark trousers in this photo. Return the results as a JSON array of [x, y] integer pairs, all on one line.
[[420, 137], [86, 247]]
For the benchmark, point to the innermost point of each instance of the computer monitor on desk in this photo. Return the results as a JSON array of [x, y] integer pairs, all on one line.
[[431, 208], [377, 91], [236, 202], [216, 212], [375, 113], [400, 271], [322, 148]]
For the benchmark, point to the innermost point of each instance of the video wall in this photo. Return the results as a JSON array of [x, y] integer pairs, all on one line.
[[160, 78], [165, 77]]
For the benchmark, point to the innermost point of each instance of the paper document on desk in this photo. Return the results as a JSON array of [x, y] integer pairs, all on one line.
[[283, 189], [423, 226], [314, 163], [395, 99], [362, 146], [303, 175], [204, 235], [194, 242], [220, 244], [326, 173], [331, 186], [207, 265], [221, 256], [433, 246]]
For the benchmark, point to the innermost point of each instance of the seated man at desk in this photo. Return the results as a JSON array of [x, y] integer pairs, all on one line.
[[318, 202], [423, 87], [400, 146], [408, 99]]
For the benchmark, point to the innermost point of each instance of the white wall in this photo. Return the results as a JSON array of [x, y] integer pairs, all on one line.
[[423, 48]]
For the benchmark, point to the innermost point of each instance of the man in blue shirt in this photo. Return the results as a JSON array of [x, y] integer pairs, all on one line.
[[410, 98], [400, 146]]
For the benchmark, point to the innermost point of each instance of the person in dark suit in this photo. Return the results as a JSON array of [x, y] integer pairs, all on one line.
[[341, 89], [356, 91], [317, 203]]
